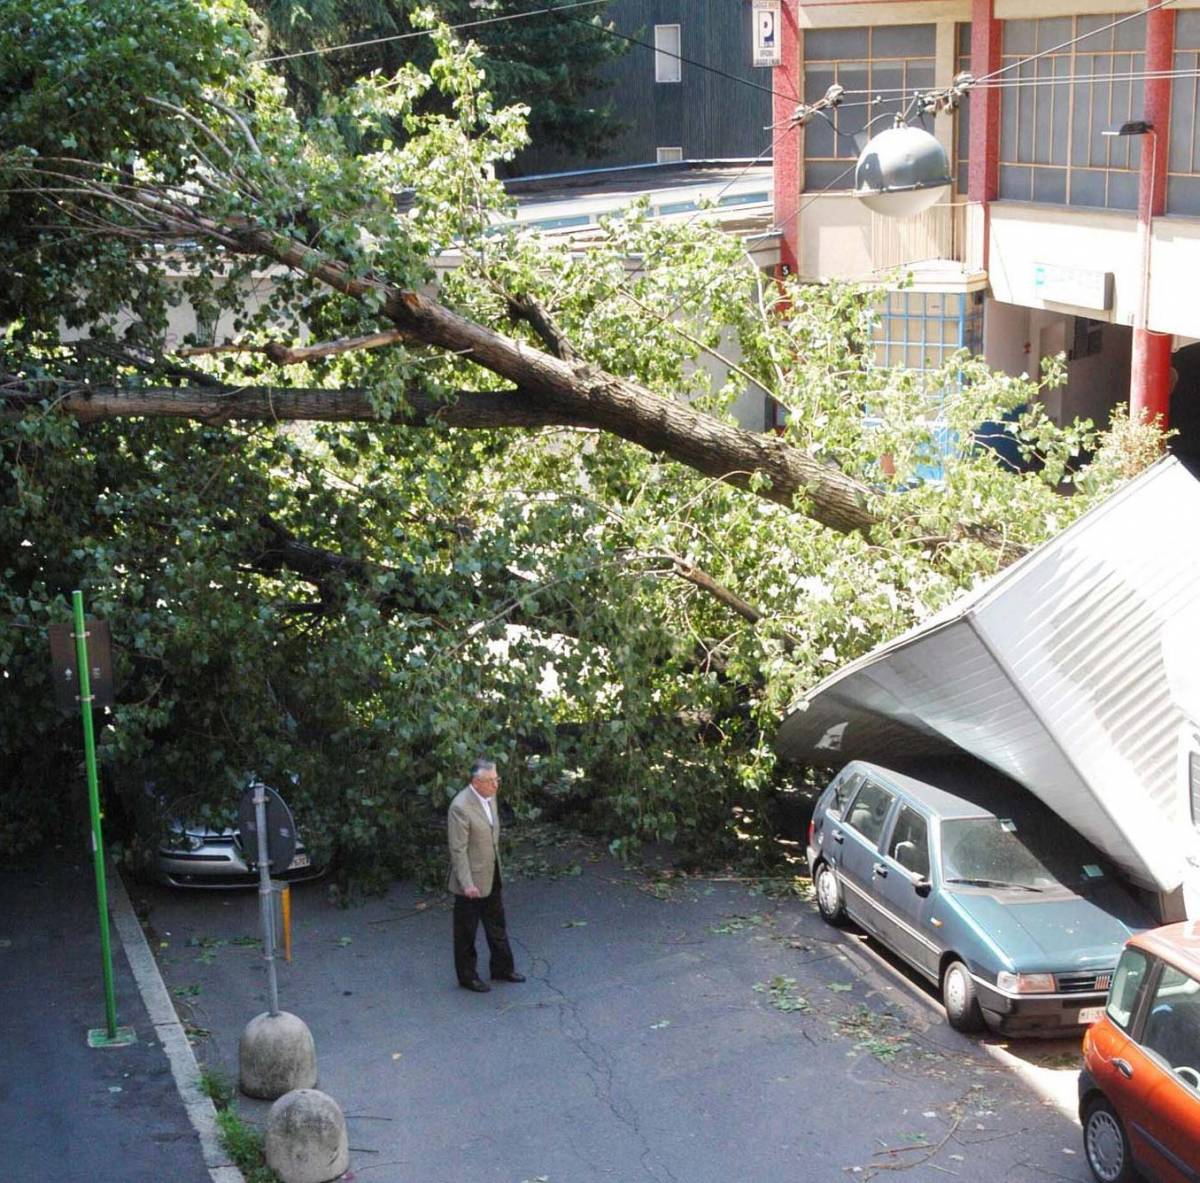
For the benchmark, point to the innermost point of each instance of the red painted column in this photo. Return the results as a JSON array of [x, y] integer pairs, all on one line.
[[1150, 370], [786, 82], [983, 166], [983, 175]]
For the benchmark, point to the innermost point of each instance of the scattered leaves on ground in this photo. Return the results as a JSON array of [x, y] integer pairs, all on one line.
[[782, 994], [738, 923], [876, 1032], [209, 946]]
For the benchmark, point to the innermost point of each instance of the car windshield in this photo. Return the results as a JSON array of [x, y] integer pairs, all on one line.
[[1034, 854]]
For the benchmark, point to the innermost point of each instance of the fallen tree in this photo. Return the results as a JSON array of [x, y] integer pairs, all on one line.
[[360, 518]]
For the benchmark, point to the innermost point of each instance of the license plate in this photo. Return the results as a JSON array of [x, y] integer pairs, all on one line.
[[1091, 1014], [301, 860]]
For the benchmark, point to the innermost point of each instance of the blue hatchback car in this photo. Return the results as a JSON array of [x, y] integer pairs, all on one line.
[[979, 887]]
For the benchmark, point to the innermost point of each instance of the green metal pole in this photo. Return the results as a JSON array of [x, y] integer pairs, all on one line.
[[89, 755]]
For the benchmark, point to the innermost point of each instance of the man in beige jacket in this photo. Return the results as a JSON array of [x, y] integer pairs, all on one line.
[[473, 831]]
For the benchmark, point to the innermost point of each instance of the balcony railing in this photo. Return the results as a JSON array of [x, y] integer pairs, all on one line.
[[939, 235]]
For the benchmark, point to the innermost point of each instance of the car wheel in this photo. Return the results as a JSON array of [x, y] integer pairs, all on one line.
[[958, 997], [1105, 1143], [829, 895]]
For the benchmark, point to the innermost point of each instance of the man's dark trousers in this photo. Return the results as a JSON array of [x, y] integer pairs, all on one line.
[[467, 915]]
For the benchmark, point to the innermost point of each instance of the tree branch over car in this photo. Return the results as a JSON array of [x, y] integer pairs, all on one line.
[[367, 478], [549, 388]]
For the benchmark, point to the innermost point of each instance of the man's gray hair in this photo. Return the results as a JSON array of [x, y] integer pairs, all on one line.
[[482, 765]]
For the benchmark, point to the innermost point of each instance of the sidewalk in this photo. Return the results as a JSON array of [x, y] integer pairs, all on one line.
[[74, 1114]]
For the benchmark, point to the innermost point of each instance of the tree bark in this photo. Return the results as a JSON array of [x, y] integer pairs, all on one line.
[[585, 398], [548, 390]]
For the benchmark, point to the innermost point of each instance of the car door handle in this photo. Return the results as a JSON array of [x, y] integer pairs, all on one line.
[[880, 870], [838, 836], [1124, 1068]]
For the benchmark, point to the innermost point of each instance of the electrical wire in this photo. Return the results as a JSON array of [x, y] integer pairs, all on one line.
[[561, 8], [993, 80], [688, 61], [1046, 80], [989, 80], [491, 20], [1081, 79]]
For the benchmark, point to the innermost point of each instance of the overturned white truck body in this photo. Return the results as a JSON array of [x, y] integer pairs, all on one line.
[[1076, 672]]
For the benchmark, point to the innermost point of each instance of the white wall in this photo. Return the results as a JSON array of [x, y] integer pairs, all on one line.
[[1023, 235], [1015, 339]]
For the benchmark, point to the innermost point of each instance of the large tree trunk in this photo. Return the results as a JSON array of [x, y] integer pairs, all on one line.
[[546, 389], [577, 397]]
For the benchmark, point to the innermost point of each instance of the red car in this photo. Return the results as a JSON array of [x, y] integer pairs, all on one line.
[[1139, 1091]]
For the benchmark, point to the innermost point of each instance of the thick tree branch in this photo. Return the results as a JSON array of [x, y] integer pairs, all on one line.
[[528, 309], [466, 408], [556, 390]]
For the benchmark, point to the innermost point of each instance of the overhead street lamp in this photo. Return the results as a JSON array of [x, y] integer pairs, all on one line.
[[901, 172], [904, 170]]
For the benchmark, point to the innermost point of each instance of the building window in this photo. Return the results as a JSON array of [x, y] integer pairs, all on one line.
[[666, 53], [669, 155], [894, 63], [1053, 111], [1183, 163], [921, 330]]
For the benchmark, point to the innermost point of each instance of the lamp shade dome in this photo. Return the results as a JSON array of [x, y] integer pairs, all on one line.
[[901, 172]]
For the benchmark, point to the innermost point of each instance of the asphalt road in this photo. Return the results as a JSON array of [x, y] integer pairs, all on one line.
[[670, 1030]]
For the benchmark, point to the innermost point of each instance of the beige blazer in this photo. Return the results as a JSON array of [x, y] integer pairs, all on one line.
[[474, 844]]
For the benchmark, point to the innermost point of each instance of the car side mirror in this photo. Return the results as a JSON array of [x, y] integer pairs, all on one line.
[[922, 886]]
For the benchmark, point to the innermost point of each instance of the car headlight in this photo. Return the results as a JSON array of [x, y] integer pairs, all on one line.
[[181, 839], [1025, 983]]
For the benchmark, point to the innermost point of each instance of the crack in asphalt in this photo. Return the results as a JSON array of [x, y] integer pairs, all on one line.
[[576, 1031]]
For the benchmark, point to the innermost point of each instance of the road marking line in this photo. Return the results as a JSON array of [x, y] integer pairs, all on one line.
[[200, 1109]]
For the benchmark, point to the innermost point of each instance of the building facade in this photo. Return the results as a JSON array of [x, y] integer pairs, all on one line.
[[688, 91], [1055, 237]]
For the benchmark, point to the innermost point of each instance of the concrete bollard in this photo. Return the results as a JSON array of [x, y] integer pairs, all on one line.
[[306, 1138], [276, 1054]]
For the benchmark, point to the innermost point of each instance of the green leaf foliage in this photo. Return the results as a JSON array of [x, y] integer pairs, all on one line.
[[366, 607]]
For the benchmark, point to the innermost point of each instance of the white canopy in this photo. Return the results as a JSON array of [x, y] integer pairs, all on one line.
[[1076, 672]]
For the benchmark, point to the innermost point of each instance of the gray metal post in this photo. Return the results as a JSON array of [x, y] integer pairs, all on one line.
[[264, 894]]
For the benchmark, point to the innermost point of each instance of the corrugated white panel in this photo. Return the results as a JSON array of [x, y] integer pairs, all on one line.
[[1069, 672], [1080, 631]]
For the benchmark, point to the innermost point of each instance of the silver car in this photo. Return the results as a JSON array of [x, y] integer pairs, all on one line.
[[184, 852], [199, 856]]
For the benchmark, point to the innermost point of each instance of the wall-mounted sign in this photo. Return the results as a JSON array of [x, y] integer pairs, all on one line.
[[767, 33], [1080, 287]]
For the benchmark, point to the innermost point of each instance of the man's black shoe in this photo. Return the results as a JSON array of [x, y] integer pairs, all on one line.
[[509, 977], [480, 987]]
